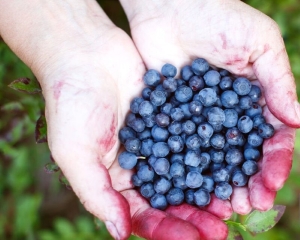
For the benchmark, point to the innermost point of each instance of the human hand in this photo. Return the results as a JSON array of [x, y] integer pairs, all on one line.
[[236, 37], [89, 71]]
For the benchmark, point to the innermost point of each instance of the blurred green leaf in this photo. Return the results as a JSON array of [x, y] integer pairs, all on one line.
[[233, 233], [258, 222], [65, 229], [41, 130], [26, 85]]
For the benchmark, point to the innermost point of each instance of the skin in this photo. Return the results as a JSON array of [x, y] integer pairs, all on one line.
[[89, 71]]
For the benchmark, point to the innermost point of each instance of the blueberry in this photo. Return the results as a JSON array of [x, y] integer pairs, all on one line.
[[160, 149], [127, 160], [234, 157], [254, 139], [168, 70], [146, 147], [239, 178], [250, 167], [149, 120], [208, 183], [196, 83], [188, 127], [221, 175], [195, 107], [177, 169], [137, 125], [162, 185], [151, 160], [229, 99], [159, 201], [202, 197], [147, 190], [177, 157], [233, 136], [183, 94], [175, 128], [231, 118], [175, 196], [208, 97], [146, 134], [176, 144], [200, 66], [257, 120], [193, 142], [174, 101], [225, 83], [145, 173], [135, 103], [224, 72], [146, 93], [185, 107], [145, 108], [179, 182], [157, 97], [151, 78], [166, 108], [242, 86], [159, 134], [212, 78], [216, 156], [245, 124], [254, 110], [245, 102], [186, 72], [170, 84], [255, 93], [162, 119], [194, 179], [217, 141], [189, 196], [266, 130], [198, 119], [136, 181], [177, 114], [132, 145], [192, 158], [252, 154], [125, 133], [205, 130], [205, 158], [216, 116], [223, 190]]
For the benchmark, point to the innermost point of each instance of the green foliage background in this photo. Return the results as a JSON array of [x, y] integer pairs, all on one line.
[[34, 205]]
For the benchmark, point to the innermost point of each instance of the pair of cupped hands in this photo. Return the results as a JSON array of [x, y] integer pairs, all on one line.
[[90, 77]]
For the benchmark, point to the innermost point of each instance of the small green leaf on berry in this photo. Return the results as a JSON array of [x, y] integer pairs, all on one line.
[[26, 85], [233, 233], [41, 130], [258, 222]]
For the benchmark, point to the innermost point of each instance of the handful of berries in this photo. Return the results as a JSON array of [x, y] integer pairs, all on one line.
[[189, 137]]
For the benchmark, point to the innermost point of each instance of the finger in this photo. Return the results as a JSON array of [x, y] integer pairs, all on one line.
[[220, 208], [273, 70], [261, 198], [240, 200], [208, 225], [277, 154], [91, 183], [154, 224]]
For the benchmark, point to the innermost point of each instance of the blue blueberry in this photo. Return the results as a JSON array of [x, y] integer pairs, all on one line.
[[188, 127], [125, 133], [192, 158], [166, 108], [202, 197], [136, 181], [233, 136], [177, 114], [160, 149], [186, 110], [224, 72], [144, 134], [132, 145], [239, 179], [170, 84], [162, 185], [225, 83], [216, 156], [254, 110], [183, 93], [200, 66], [193, 142], [175, 128], [159, 134], [146, 147], [196, 83], [250, 167], [176, 144], [234, 156], [177, 169], [168, 70], [231, 118], [194, 179], [217, 141], [151, 78], [147, 190], [216, 116], [198, 119], [177, 157], [158, 97], [146, 93], [205, 159], [245, 102], [135, 103], [158, 201], [189, 196], [145, 173], [254, 139], [149, 120], [257, 120], [175, 196], [162, 119], [221, 175], [242, 86], [179, 182], [208, 97], [145, 108], [208, 183], [129, 118], [255, 93], [229, 99], [245, 124], [127, 160], [212, 78], [137, 124], [151, 160], [266, 130], [251, 154], [223, 190], [186, 73], [195, 107]]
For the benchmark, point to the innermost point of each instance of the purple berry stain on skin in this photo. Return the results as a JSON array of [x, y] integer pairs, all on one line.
[[109, 137]]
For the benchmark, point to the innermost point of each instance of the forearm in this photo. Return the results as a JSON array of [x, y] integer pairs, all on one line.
[[35, 29]]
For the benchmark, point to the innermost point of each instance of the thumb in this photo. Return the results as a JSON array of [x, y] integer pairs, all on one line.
[[92, 184], [273, 71]]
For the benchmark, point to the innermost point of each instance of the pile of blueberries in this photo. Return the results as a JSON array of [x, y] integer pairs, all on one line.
[[186, 138]]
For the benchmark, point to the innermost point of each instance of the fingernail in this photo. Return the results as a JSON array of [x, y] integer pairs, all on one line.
[[112, 230]]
